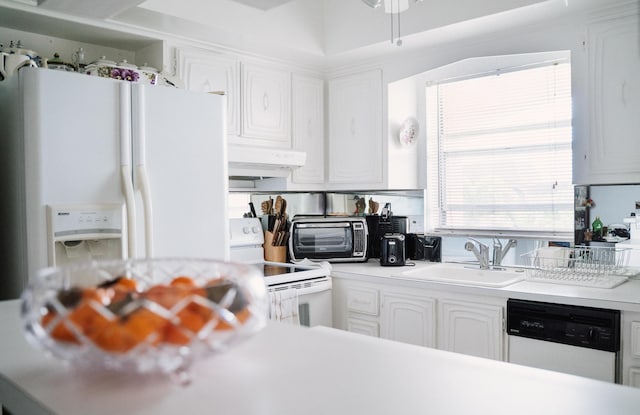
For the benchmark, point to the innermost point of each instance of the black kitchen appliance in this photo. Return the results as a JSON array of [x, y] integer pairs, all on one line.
[[332, 239], [392, 249], [379, 226], [578, 340], [424, 248]]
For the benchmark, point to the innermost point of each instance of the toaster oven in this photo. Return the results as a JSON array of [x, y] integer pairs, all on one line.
[[332, 239]]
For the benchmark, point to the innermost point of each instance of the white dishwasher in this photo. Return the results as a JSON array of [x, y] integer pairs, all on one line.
[[583, 341]]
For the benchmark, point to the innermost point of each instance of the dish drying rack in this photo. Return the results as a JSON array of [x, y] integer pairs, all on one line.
[[587, 266]]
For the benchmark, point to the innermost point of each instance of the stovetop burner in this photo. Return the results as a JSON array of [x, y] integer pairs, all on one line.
[[246, 247]]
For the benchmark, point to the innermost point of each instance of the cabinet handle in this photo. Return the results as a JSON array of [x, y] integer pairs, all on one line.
[[623, 87], [353, 126], [265, 101]]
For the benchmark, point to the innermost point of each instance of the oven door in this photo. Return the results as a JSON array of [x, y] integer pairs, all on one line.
[[332, 240], [313, 298]]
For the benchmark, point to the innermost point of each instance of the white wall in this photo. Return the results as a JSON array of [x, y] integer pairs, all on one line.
[[613, 203], [403, 159]]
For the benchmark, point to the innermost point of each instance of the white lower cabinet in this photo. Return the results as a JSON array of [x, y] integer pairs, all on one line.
[[408, 318], [468, 324], [471, 328], [361, 326], [630, 349]]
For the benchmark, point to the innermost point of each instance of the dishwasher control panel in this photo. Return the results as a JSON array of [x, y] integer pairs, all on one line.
[[589, 327]]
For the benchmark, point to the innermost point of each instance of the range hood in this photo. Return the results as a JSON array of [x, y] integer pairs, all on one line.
[[262, 162]]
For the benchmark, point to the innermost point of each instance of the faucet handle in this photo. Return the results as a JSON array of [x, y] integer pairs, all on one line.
[[480, 244]]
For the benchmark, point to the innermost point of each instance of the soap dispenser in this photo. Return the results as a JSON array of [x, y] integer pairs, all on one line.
[[596, 226]]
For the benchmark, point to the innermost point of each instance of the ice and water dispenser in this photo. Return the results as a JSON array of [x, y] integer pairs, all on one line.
[[85, 232]]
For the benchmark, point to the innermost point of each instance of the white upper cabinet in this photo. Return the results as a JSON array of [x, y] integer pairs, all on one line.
[[258, 95], [208, 72], [266, 112], [611, 153], [308, 128], [355, 130]]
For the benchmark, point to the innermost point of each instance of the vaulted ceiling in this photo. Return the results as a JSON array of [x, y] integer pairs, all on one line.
[[318, 30]]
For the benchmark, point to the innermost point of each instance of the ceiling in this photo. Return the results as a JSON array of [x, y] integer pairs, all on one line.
[[309, 31], [263, 4]]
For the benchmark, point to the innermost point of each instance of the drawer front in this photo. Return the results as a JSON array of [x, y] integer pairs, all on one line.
[[369, 328], [363, 300]]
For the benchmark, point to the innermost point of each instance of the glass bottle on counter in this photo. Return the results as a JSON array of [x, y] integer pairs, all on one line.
[[596, 226]]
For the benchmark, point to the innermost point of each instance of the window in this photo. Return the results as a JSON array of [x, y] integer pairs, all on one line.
[[499, 153]]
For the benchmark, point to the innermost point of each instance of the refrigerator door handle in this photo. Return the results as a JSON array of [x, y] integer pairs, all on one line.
[[126, 171], [145, 190], [141, 170]]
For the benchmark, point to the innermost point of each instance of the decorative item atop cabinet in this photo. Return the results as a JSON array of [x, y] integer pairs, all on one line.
[[266, 112]]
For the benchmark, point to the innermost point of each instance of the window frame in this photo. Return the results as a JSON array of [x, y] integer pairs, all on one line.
[[464, 70]]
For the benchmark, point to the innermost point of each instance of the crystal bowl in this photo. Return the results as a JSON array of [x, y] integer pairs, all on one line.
[[154, 315]]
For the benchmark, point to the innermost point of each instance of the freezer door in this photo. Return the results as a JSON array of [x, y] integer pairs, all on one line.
[[180, 165], [71, 148]]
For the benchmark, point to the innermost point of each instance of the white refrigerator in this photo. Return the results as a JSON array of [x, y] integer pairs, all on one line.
[[151, 160]]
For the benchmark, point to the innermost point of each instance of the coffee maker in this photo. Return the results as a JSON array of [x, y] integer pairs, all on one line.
[[380, 225]]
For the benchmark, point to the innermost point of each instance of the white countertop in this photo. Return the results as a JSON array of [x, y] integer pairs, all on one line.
[[286, 370], [623, 297]]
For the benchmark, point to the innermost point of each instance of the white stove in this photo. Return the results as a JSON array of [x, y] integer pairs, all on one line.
[[299, 292]]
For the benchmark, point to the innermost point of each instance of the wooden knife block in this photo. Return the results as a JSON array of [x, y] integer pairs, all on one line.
[[273, 253]]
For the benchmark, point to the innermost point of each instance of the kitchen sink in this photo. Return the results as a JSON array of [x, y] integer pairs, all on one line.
[[465, 274]]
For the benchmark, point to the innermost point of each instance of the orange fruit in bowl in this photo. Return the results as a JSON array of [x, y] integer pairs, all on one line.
[[175, 335], [241, 317], [117, 316], [143, 323], [116, 338], [183, 282]]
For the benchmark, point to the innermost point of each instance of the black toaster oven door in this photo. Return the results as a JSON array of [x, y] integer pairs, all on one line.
[[322, 241]]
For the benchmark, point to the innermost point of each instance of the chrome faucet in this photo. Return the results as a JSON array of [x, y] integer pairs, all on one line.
[[499, 252], [480, 250]]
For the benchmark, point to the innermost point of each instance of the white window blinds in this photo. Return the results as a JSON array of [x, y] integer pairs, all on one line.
[[499, 153]]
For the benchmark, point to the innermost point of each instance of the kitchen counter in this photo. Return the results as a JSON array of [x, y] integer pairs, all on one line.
[[293, 370], [623, 297]]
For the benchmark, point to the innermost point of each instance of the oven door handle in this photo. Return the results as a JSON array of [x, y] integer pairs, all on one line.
[[316, 288]]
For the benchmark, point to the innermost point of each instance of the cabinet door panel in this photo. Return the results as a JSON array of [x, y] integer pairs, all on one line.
[[208, 72], [308, 128], [469, 328], [267, 104], [409, 319], [612, 154], [355, 129]]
